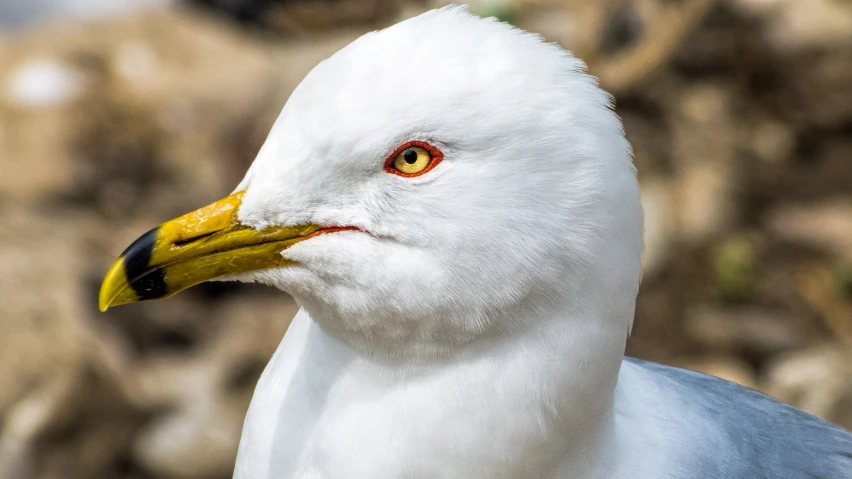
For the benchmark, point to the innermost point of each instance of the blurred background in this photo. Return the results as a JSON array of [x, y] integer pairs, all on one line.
[[118, 114]]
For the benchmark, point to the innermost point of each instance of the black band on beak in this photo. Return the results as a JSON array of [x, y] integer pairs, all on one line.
[[147, 282]]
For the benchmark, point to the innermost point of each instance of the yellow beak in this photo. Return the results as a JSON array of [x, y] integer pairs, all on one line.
[[205, 244]]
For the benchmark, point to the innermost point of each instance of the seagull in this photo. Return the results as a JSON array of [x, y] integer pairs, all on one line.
[[452, 202]]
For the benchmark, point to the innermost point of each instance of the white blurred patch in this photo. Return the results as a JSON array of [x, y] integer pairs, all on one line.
[[41, 83]]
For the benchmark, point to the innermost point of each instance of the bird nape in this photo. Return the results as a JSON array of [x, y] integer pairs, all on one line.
[[452, 203]]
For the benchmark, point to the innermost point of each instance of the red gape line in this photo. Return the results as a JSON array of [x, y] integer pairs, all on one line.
[[437, 156], [333, 229]]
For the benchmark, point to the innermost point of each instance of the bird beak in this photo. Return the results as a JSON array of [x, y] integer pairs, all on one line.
[[205, 244]]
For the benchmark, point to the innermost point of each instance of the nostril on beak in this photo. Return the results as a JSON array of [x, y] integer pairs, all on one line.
[[187, 241]]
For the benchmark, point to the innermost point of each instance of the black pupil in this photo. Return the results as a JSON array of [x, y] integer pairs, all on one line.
[[410, 157]]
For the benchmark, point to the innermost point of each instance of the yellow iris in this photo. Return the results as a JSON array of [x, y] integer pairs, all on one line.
[[412, 160]]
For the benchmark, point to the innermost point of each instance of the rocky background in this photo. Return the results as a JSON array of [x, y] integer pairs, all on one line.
[[117, 115]]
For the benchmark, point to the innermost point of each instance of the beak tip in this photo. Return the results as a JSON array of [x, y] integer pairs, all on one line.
[[103, 298], [114, 284]]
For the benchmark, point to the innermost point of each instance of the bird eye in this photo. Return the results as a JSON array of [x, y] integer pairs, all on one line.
[[413, 159]]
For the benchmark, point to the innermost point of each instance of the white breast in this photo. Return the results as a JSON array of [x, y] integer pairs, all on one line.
[[319, 411]]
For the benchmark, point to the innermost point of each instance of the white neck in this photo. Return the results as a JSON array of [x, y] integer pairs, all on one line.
[[558, 373]]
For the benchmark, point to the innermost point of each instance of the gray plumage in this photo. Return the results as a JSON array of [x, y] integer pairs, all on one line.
[[741, 433]]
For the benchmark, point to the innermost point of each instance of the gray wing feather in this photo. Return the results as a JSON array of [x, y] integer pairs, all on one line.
[[767, 438]]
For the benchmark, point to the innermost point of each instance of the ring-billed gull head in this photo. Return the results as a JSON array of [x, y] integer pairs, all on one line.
[[533, 205]]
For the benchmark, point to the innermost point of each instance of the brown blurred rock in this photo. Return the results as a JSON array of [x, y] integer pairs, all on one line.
[[302, 16], [823, 291], [772, 141], [744, 329], [825, 225], [659, 224], [199, 434], [207, 394], [624, 43], [156, 112], [306, 16], [65, 414], [40, 314], [735, 260], [818, 380], [705, 136], [796, 24]]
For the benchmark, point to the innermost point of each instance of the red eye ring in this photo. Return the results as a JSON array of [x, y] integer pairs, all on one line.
[[435, 153]]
